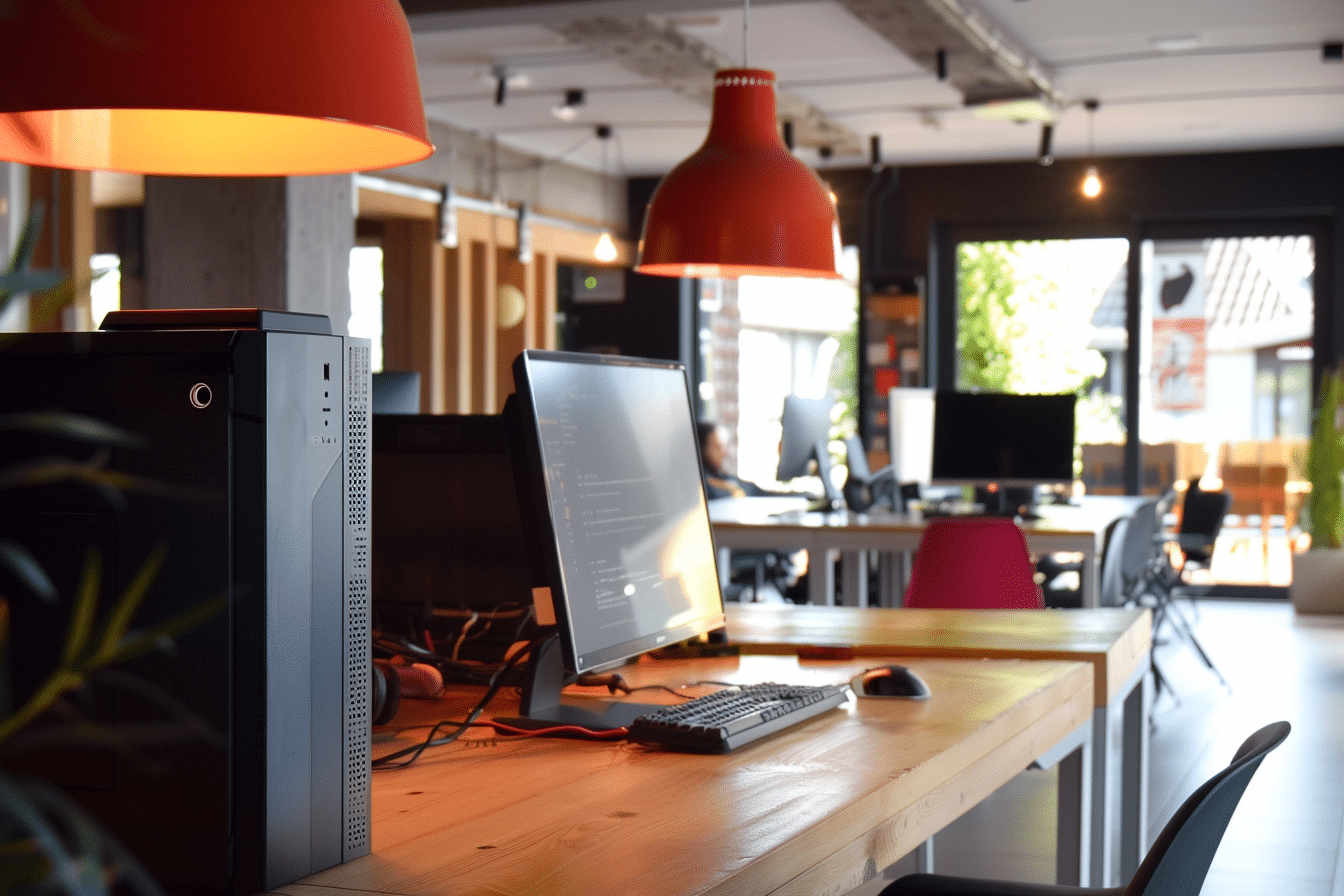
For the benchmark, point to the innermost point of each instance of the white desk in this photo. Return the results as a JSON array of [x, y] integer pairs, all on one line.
[[758, 524]]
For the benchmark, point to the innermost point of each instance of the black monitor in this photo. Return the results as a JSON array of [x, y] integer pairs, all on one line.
[[396, 392], [805, 435], [1003, 442], [448, 552], [609, 465]]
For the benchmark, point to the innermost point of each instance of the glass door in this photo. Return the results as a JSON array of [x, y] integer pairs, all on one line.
[[1226, 328]]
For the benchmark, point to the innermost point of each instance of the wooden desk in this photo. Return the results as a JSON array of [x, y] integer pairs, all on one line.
[[814, 809], [755, 524], [1116, 642]]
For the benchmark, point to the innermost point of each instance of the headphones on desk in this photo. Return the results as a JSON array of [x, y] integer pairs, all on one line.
[[390, 680]]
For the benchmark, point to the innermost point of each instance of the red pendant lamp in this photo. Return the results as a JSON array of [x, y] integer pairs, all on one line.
[[210, 87], [741, 204]]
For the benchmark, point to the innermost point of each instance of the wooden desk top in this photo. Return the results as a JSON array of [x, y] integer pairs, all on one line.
[[1115, 641], [805, 811]]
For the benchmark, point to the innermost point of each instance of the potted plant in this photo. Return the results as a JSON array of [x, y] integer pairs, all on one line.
[[1318, 573]]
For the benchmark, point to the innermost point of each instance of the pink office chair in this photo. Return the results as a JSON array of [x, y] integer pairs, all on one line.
[[973, 563]]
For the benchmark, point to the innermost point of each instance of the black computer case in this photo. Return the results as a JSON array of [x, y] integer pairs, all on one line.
[[244, 760]]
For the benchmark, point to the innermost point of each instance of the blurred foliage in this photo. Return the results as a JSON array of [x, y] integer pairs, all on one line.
[[48, 844], [1325, 465]]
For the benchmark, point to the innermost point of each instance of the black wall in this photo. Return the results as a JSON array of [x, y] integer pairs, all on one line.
[[902, 218]]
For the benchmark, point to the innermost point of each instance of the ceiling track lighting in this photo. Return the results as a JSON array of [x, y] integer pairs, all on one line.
[[1091, 186], [875, 152], [568, 109], [211, 87], [741, 204], [940, 63], [1045, 156]]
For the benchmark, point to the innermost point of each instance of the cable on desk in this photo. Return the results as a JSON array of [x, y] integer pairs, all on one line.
[[572, 730], [406, 757]]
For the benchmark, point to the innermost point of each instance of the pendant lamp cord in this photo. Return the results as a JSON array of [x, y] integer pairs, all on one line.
[[746, 33]]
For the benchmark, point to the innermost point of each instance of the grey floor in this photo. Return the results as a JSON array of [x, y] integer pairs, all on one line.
[[1287, 836]]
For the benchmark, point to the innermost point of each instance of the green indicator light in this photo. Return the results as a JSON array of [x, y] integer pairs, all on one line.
[[590, 282]]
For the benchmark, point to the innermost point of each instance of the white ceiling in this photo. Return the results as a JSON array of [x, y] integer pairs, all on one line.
[[1240, 74]]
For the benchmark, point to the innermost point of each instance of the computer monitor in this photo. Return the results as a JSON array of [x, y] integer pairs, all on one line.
[[804, 437], [396, 392], [609, 475], [1003, 442], [449, 559]]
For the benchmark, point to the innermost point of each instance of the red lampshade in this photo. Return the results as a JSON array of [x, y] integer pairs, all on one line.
[[210, 87], [741, 204]]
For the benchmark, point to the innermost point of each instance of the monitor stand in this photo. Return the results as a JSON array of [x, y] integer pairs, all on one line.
[[834, 500], [1008, 501], [541, 708]]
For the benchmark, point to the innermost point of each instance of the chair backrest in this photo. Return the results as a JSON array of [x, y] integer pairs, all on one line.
[[973, 562], [1180, 858], [1202, 512], [1112, 582]]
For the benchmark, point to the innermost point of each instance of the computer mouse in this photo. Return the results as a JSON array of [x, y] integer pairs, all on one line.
[[889, 681]]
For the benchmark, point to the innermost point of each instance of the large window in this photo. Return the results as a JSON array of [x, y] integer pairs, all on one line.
[[1221, 378]]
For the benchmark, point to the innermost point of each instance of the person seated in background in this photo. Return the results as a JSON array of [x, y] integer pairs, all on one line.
[[719, 483], [760, 571]]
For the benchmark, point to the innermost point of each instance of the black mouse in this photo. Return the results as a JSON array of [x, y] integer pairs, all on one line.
[[890, 681]]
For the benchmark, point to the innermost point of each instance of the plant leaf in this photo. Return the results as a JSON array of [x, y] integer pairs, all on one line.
[[84, 611], [122, 614], [76, 427], [24, 565]]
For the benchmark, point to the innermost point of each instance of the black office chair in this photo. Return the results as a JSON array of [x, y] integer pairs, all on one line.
[[1202, 514], [1137, 571], [1177, 863]]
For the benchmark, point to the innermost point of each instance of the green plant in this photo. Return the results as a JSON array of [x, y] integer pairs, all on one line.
[[48, 844], [1325, 465]]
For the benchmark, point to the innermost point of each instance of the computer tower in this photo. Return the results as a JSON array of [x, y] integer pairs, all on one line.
[[241, 452]]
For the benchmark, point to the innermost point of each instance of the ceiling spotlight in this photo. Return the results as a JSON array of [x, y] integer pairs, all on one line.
[[1046, 155], [1332, 51], [940, 63], [568, 110]]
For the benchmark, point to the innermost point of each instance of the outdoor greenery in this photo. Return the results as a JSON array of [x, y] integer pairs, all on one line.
[[1024, 320]]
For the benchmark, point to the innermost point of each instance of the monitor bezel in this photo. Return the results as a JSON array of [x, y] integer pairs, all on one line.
[[551, 593], [944, 477]]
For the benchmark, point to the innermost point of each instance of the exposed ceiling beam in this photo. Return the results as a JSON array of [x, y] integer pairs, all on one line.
[[686, 65], [983, 61]]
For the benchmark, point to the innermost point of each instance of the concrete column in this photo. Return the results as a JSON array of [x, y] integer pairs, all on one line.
[[250, 242]]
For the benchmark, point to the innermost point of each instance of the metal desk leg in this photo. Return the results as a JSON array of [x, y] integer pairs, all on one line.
[[854, 571], [1073, 844], [821, 578], [1134, 801]]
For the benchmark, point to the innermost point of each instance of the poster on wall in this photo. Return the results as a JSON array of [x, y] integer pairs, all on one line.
[[1179, 331], [1178, 364]]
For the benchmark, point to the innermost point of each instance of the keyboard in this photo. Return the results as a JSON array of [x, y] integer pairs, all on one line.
[[727, 719]]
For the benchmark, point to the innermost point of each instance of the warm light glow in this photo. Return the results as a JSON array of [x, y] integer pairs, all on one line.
[[211, 87], [1092, 183], [605, 250]]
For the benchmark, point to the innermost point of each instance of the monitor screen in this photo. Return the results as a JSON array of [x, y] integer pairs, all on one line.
[[983, 438], [622, 527]]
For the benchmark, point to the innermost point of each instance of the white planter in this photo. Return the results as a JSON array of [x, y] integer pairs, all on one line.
[[1318, 581]]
